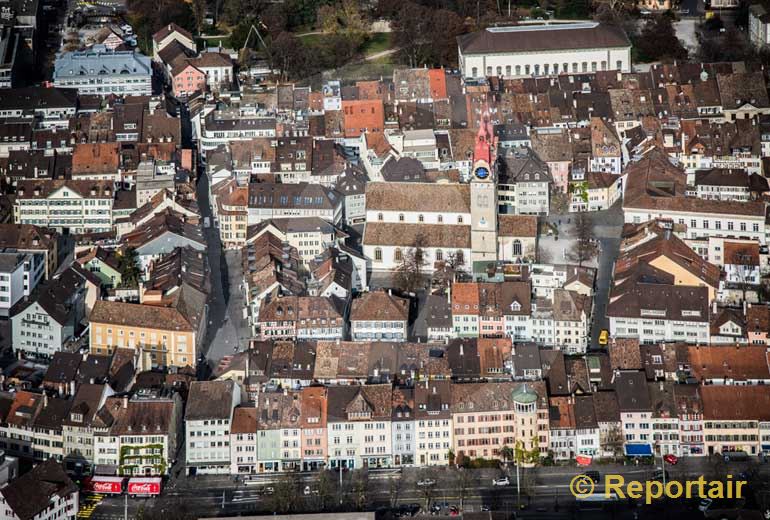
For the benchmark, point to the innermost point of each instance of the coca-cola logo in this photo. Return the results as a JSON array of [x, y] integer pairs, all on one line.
[[143, 488], [106, 487]]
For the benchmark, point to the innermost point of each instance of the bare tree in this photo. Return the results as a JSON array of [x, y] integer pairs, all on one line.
[[325, 490], [446, 274], [409, 276], [428, 492], [359, 489], [394, 490], [613, 441], [463, 482], [585, 249], [285, 496], [743, 265]]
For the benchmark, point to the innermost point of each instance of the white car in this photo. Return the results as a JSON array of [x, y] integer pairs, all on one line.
[[704, 505], [502, 481], [426, 482]]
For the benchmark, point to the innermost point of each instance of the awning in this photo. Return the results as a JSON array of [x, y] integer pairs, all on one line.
[[144, 486], [638, 450], [104, 485]]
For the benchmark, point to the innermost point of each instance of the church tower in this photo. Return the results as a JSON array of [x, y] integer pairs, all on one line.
[[483, 197]]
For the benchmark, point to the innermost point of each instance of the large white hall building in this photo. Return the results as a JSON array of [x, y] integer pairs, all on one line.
[[544, 50]]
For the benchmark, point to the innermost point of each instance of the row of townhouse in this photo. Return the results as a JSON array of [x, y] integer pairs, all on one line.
[[434, 423], [537, 308], [659, 418], [135, 435]]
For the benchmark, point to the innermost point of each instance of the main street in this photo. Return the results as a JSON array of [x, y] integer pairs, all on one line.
[[542, 489]]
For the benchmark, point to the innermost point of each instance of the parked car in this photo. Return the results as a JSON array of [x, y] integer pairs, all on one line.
[[735, 456], [671, 459], [427, 482], [704, 505], [659, 474], [595, 476], [502, 481]]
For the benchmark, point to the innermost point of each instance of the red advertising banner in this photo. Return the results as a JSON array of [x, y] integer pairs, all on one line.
[[144, 486], [105, 485]]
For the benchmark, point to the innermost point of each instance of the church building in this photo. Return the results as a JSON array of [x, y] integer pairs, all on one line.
[[451, 222]]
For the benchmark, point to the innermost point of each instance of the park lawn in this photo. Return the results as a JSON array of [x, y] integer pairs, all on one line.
[[377, 42]]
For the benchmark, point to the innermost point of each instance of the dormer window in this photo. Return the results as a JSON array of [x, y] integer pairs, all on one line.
[[515, 306], [76, 417]]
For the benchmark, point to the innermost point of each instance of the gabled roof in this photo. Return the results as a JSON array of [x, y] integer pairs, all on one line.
[[379, 306], [31, 494], [164, 31]]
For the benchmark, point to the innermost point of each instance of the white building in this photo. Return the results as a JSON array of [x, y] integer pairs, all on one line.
[[543, 50], [759, 25], [65, 205], [379, 316], [433, 423], [19, 275], [208, 418], [655, 313], [359, 426], [44, 493], [103, 72]]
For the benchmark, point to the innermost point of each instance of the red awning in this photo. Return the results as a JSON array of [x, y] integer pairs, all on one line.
[[106, 485], [144, 486], [583, 460]]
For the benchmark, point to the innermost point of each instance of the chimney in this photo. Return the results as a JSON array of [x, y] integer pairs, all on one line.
[[72, 387], [434, 390], [125, 402], [461, 348], [714, 307], [45, 400]]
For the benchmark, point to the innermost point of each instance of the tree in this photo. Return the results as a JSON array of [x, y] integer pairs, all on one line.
[[506, 453], [325, 488], [428, 492], [613, 441], [585, 249], [130, 274], [463, 483], [394, 490], [285, 496], [359, 489], [408, 275], [658, 41], [287, 54], [199, 13]]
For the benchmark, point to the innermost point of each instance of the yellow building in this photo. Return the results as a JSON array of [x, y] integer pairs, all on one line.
[[164, 335]]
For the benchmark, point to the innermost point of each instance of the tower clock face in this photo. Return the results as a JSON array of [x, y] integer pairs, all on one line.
[[481, 172]]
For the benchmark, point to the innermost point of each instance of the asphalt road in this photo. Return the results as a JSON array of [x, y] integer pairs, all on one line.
[[543, 490], [227, 327]]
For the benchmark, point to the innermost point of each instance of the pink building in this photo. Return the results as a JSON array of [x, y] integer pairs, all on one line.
[[313, 423], [187, 79]]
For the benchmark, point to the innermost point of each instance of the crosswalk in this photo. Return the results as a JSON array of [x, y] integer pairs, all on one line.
[[88, 504]]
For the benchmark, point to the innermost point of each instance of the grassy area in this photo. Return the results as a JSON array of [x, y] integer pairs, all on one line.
[[313, 39], [378, 42]]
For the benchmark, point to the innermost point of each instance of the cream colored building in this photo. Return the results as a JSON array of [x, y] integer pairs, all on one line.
[[164, 335], [490, 416]]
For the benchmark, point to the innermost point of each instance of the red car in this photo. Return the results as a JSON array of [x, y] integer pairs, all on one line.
[[671, 459]]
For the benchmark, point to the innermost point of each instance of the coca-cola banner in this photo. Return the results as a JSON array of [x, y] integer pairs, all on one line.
[[105, 485], [144, 486]]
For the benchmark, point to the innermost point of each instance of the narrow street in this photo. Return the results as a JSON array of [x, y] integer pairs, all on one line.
[[217, 305]]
